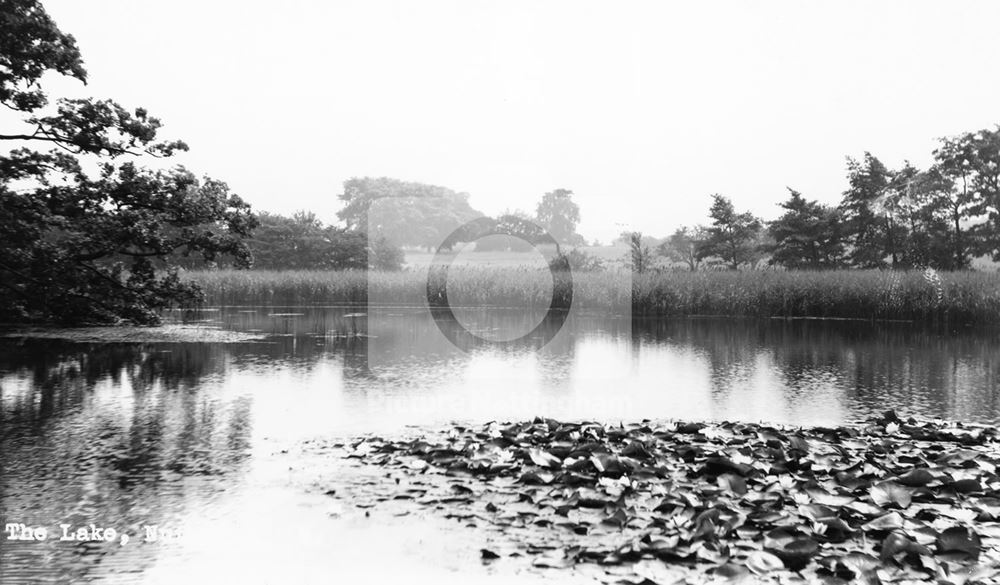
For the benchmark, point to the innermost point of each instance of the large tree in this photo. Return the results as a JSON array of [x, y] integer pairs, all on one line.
[[682, 246], [732, 236], [868, 180], [86, 235], [406, 213], [807, 235], [972, 160], [559, 215], [957, 198]]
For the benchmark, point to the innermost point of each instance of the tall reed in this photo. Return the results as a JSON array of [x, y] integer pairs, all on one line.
[[860, 294]]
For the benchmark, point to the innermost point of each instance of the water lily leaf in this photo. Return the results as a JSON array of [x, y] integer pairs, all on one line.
[[733, 574], [487, 554], [898, 542], [816, 512], [637, 450], [835, 529], [690, 428], [917, 477], [796, 554], [732, 483], [619, 518], [890, 493], [798, 443], [957, 457], [763, 562], [965, 486], [544, 458], [828, 499], [960, 514], [661, 546], [417, 464], [890, 521], [959, 539], [629, 494], [536, 478], [722, 465], [856, 567], [865, 508], [778, 538]]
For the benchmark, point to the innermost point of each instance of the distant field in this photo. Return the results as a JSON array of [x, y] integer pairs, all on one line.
[[964, 297]]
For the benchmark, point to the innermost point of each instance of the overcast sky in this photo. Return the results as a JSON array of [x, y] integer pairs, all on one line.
[[642, 109]]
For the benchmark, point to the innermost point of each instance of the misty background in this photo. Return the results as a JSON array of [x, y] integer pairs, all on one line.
[[642, 109]]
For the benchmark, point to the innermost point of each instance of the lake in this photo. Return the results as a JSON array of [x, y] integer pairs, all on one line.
[[215, 438]]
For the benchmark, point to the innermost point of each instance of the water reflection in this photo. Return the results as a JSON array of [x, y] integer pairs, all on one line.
[[119, 433], [151, 433]]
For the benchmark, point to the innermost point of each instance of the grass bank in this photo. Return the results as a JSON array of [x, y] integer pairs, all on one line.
[[852, 294]]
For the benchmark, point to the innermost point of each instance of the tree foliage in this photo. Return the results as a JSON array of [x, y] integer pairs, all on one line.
[[732, 236], [559, 215], [683, 245], [640, 255], [807, 235], [939, 217], [303, 242], [511, 231], [405, 213], [79, 246], [971, 162]]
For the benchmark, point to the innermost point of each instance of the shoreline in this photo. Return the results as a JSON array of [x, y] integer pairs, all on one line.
[[168, 333]]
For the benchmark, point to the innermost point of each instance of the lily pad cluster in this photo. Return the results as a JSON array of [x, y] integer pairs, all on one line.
[[888, 500]]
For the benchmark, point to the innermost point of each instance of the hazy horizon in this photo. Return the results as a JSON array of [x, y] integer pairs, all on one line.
[[642, 110]]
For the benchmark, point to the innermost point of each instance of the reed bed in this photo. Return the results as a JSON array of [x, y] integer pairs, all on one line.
[[852, 294]]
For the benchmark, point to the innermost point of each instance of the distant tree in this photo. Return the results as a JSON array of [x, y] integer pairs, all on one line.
[[923, 205], [732, 237], [870, 214], [973, 161], [909, 217], [625, 238], [807, 235], [513, 231], [957, 198], [88, 238], [405, 213], [682, 246], [383, 255], [640, 255], [303, 242], [559, 215]]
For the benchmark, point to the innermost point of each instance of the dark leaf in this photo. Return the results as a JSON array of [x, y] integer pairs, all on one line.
[[487, 554], [959, 539], [918, 477]]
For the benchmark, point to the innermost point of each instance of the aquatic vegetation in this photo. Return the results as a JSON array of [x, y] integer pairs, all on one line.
[[947, 297], [943, 297], [884, 501]]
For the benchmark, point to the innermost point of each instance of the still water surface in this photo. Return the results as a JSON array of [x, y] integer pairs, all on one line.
[[207, 436]]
